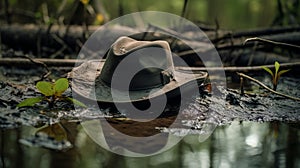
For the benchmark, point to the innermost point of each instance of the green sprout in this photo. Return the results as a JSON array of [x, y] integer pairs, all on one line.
[[276, 75], [52, 92]]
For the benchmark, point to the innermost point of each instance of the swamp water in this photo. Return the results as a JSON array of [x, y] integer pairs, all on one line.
[[246, 144]]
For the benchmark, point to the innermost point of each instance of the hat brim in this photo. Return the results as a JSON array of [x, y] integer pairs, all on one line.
[[86, 84]]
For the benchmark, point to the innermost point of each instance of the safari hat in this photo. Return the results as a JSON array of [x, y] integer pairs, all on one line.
[[133, 71]]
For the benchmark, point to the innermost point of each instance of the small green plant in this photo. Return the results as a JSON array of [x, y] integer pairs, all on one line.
[[276, 75], [52, 92]]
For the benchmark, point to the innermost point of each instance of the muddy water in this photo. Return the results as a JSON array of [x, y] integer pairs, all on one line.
[[246, 144]]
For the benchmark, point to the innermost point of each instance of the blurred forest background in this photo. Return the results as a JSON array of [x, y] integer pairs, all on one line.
[[229, 14], [59, 28]]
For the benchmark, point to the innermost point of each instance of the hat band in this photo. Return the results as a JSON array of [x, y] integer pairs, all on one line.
[[165, 77]]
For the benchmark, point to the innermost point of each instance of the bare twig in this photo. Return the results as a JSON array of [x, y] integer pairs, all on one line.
[[242, 85], [59, 52], [62, 43], [46, 18], [280, 44], [184, 9], [257, 32], [46, 74], [239, 69], [22, 62], [73, 12], [217, 28], [267, 88], [57, 14], [280, 15], [61, 8]]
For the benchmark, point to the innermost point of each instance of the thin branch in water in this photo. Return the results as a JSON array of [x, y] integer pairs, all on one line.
[[267, 88]]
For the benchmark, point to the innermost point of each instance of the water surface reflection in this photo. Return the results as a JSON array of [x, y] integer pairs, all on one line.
[[246, 144]]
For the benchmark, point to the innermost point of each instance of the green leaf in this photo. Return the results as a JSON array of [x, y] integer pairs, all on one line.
[[60, 86], [277, 66], [282, 72], [46, 88], [268, 70], [30, 101], [76, 102]]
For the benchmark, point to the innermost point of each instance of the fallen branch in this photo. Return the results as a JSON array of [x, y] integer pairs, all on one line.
[[266, 87], [72, 62], [21, 62]]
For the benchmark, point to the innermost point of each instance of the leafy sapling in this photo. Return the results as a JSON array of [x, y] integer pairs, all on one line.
[[276, 75], [52, 92]]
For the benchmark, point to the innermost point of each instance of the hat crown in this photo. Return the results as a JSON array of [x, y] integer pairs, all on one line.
[[150, 63]]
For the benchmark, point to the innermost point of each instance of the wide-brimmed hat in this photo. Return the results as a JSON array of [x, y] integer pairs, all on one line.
[[132, 71]]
